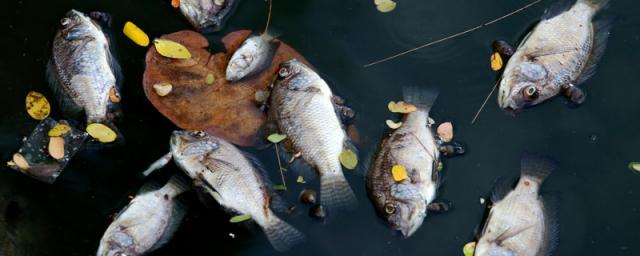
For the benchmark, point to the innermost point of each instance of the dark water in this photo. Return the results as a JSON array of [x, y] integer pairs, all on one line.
[[599, 206]]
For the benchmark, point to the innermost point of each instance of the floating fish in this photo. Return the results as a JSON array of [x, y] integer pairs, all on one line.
[[209, 15], [520, 222], [234, 180], [147, 222], [301, 105], [252, 57], [559, 54]]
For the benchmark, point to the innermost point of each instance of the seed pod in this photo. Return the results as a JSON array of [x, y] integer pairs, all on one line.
[[308, 196], [317, 211]]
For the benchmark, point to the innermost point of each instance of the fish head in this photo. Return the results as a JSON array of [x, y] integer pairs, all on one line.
[[192, 144], [296, 76], [119, 243], [240, 63], [486, 248], [205, 14], [77, 25], [524, 85], [404, 209]]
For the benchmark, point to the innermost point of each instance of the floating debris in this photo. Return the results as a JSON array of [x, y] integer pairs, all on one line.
[[445, 131], [393, 125], [38, 106], [56, 147], [496, 61], [136, 34], [240, 218], [385, 5], [171, 49], [634, 166], [469, 249], [317, 211], [401, 107], [399, 173], [18, 160], [300, 180], [162, 89], [348, 159], [276, 138], [101, 132], [308, 196], [59, 130]]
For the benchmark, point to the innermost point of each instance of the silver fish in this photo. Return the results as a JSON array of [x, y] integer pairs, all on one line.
[[301, 105], [207, 15], [520, 222], [82, 70], [147, 222], [234, 180], [252, 57], [559, 54], [413, 146]]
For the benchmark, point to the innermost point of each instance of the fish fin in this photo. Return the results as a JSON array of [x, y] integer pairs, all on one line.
[[596, 4], [149, 187], [177, 185], [501, 188], [302, 168], [550, 203], [70, 109], [158, 164], [536, 167], [557, 8], [115, 66], [277, 203], [177, 214], [574, 95], [102, 18], [282, 235], [601, 31], [335, 192], [420, 97]]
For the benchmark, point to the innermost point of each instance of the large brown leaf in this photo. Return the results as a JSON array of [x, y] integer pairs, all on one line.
[[227, 110]]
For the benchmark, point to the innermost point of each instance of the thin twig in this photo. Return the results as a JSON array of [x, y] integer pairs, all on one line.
[[485, 102], [266, 27], [454, 35], [280, 168]]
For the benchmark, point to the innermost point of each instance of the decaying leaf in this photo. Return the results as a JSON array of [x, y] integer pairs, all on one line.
[[101, 132], [280, 187], [171, 49], [445, 131], [20, 161], [276, 138], [224, 110], [301, 180], [136, 34], [393, 125], [56, 147], [162, 89], [59, 130], [175, 3], [469, 249], [496, 61], [401, 107], [348, 159], [38, 106], [113, 95], [240, 218], [399, 173], [385, 5], [634, 166]]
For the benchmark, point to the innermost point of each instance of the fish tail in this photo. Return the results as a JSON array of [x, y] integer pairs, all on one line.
[[536, 167], [282, 235], [596, 4], [335, 192], [177, 185], [420, 97]]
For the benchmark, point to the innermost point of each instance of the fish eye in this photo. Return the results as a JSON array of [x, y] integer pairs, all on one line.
[[65, 21], [283, 72], [530, 93], [389, 209]]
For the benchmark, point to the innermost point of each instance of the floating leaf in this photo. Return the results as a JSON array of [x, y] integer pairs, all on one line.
[[276, 138], [280, 187], [393, 125], [171, 49], [469, 249], [113, 95], [401, 107], [20, 161], [634, 166], [445, 131], [101, 132], [37, 105], [301, 180], [262, 95], [209, 79], [348, 159], [240, 218], [440, 166], [11, 164], [385, 5], [496, 61], [162, 89], [59, 130], [56, 147], [175, 3], [136, 34], [399, 173]]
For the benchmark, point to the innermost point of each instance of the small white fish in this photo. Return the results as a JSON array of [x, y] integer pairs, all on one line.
[[252, 57], [209, 15], [147, 222], [520, 223]]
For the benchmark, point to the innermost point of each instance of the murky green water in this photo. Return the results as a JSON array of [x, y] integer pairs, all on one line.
[[599, 198]]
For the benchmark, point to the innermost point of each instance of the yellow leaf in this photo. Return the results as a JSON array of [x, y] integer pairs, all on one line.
[[56, 147], [393, 125], [209, 79], [469, 249], [399, 173], [101, 132], [385, 5], [11, 164], [171, 49], [348, 159], [300, 180], [59, 130], [496, 61], [37, 105], [20, 161], [401, 107], [175, 3], [136, 34]]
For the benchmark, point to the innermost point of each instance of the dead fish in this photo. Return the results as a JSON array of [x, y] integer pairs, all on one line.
[[559, 54], [209, 15], [82, 70], [147, 222], [234, 180], [404, 204], [252, 57], [520, 222], [301, 105]]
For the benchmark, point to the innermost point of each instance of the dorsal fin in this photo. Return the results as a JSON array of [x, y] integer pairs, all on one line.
[[601, 29], [501, 189], [550, 204], [557, 8], [177, 214]]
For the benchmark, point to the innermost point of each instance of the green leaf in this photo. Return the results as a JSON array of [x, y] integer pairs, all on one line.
[[209, 79], [240, 218], [280, 187], [348, 159], [301, 180], [469, 249], [276, 138], [634, 166]]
